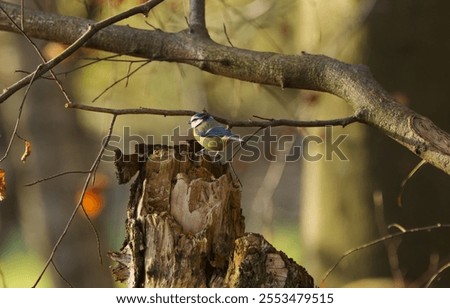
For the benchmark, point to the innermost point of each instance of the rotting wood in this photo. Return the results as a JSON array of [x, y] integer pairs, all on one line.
[[185, 226]]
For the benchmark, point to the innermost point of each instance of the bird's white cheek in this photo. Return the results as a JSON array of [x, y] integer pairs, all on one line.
[[196, 123]]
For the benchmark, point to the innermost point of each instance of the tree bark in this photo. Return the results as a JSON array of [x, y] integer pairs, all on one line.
[[185, 227]]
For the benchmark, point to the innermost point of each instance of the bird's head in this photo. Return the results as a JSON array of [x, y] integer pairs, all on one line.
[[199, 118]]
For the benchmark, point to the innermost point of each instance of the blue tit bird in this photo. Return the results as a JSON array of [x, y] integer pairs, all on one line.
[[209, 133]]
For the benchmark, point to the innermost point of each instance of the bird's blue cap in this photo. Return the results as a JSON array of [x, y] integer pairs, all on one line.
[[199, 116]]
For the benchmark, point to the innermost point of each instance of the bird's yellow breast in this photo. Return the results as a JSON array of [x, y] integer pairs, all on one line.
[[212, 143]]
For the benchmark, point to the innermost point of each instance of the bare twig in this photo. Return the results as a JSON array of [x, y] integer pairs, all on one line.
[[21, 30], [16, 126], [152, 26], [33, 78], [292, 123], [249, 123], [432, 269], [436, 275], [90, 32], [226, 35], [247, 139], [80, 202], [22, 14], [127, 76], [55, 176], [253, 22], [380, 240], [391, 245], [93, 61], [121, 79], [119, 112], [91, 224], [61, 275], [408, 177]]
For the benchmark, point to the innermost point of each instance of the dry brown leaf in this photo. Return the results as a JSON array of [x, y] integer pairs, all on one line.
[[27, 151], [2, 185]]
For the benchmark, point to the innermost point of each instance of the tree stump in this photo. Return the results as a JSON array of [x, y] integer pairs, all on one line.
[[185, 228]]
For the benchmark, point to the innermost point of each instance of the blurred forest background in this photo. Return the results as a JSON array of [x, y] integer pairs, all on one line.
[[313, 211]]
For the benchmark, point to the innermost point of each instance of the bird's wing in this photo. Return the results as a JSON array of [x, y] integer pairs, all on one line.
[[217, 131], [220, 131]]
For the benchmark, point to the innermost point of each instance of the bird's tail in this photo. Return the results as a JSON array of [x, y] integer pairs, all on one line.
[[236, 138]]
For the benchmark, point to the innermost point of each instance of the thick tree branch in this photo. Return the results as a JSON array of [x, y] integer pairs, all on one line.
[[354, 83]]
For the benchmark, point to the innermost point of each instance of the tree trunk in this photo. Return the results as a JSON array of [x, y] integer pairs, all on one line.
[[408, 47], [185, 227], [336, 212]]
